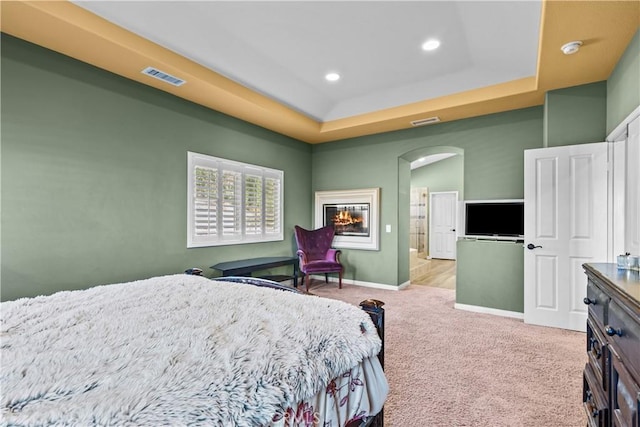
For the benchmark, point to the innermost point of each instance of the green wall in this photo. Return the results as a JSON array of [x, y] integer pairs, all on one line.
[[490, 274], [404, 200], [94, 169], [94, 175], [445, 175], [575, 115], [493, 148], [623, 86]]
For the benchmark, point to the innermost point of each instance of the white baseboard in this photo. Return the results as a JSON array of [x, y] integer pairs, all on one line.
[[404, 285], [489, 310], [364, 284]]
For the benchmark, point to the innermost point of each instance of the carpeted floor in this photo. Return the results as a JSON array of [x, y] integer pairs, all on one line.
[[449, 367]]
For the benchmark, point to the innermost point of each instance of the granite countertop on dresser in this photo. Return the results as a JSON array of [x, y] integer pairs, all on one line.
[[627, 282]]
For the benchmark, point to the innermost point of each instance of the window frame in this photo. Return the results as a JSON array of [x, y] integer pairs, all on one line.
[[271, 214]]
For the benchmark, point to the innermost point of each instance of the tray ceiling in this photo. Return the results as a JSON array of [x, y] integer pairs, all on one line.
[[265, 61]]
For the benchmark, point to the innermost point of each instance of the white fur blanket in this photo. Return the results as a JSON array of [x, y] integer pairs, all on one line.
[[173, 350]]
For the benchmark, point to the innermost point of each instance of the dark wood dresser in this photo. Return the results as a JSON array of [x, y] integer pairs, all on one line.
[[611, 393]]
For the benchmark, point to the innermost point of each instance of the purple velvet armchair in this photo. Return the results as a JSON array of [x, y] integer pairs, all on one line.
[[316, 255]]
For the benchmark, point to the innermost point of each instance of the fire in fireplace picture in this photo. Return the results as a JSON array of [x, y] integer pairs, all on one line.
[[348, 219]]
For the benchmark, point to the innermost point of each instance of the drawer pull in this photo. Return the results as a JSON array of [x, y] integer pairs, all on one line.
[[588, 301], [611, 331], [593, 347]]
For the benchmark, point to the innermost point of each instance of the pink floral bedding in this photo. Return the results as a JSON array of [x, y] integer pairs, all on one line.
[[357, 394]]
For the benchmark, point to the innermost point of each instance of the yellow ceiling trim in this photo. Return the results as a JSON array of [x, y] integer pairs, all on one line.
[[605, 27], [71, 30], [416, 110]]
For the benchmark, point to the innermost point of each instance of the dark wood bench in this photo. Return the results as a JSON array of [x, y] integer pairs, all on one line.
[[245, 267]]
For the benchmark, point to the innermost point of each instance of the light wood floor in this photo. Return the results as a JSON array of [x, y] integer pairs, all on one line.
[[440, 273]]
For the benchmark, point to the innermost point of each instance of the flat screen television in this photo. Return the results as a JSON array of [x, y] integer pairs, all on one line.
[[503, 219]]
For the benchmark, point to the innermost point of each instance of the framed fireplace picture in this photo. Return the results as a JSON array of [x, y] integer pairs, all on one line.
[[353, 215]]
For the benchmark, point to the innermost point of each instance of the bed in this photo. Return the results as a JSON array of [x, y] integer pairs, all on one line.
[[187, 350]]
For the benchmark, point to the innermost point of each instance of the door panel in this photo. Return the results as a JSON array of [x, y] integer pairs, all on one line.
[[547, 197], [547, 284], [566, 221]]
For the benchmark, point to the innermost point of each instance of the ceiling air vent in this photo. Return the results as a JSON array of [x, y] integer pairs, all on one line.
[[161, 75], [423, 122]]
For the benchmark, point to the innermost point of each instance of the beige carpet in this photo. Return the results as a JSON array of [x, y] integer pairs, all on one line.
[[449, 367]]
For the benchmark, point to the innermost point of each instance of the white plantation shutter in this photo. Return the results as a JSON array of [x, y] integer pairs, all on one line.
[[272, 204], [253, 204], [206, 201], [232, 202]]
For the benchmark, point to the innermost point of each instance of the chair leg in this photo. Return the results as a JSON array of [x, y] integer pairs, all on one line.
[[326, 277], [340, 280]]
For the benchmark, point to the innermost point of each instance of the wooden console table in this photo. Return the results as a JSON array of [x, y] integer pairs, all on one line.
[[245, 267]]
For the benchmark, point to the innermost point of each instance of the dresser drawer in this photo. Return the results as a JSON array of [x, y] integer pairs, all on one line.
[[624, 330], [598, 303], [625, 393], [594, 401], [597, 353]]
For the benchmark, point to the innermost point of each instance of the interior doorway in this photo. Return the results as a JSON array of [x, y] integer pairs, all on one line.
[[433, 170]]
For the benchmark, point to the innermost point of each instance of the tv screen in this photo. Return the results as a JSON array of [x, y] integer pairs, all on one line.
[[501, 219]]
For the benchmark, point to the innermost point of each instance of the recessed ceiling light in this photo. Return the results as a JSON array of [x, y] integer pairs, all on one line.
[[431, 44], [332, 77]]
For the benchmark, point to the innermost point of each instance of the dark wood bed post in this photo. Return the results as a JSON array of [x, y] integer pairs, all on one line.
[[374, 309]]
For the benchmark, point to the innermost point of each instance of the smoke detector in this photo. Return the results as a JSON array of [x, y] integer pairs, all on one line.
[[571, 47]]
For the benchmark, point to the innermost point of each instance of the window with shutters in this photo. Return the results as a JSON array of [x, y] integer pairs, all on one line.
[[231, 202]]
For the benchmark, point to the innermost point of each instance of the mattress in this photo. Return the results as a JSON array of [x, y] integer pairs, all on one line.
[[185, 350]]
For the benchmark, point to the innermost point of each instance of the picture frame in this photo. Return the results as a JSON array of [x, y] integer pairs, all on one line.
[[354, 215]]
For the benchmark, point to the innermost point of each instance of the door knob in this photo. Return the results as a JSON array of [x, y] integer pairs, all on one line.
[[531, 246]]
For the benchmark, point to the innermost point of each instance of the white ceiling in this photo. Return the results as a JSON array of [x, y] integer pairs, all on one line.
[[283, 49]]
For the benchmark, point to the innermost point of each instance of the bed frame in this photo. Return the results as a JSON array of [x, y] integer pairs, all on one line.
[[372, 307]]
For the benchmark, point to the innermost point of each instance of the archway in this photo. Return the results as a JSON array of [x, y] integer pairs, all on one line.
[[428, 175]]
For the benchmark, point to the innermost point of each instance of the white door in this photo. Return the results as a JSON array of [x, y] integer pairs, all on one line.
[[632, 215], [443, 214], [565, 191]]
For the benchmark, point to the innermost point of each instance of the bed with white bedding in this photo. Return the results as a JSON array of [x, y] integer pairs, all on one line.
[[186, 350]]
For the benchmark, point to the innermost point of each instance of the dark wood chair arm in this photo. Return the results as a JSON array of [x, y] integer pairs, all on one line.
[[303, 256]]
